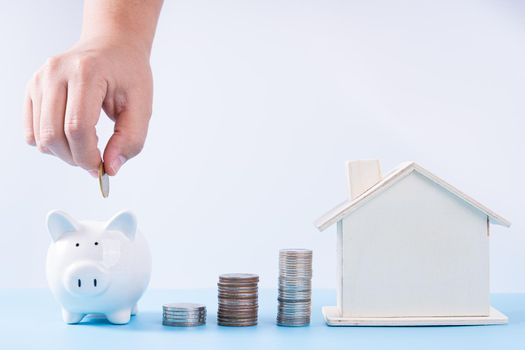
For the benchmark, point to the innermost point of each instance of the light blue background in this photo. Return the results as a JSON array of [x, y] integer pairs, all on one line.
[[257, 105], [31, 320]]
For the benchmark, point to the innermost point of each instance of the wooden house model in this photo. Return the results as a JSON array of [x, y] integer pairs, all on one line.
[[411, 250]]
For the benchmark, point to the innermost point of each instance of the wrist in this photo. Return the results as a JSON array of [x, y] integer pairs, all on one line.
[[115, 38], [121, 22]]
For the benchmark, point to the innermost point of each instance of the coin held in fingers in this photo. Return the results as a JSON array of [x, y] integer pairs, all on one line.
[[103, 180]]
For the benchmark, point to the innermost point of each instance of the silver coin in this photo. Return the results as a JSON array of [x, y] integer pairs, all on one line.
[[236, 287], [167, 314], [103, 180], [293, 324], [237, 316], [240, 296], [296, 302], [292, 276], [183, 324], [232, 306], [295, 290], [287, 262], [245, 302], [296, 274], [294, 299], [295, 306], [297, 319], [231, 311], [183, 321], [237, 321], [229, 318], [240, 292], [296, 259], [183, 317], [239, 277], [296, 251], [294, 314], [236, 324], [240, 312], [234, 317], [240, 286], [284, 318], [298, 288], [183, 310], [237, 313], [176, 318], [295, 310], [174, 314], [294, 296], [296, 271], [291, 282], [184, 306]]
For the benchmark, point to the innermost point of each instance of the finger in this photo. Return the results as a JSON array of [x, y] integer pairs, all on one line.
[[36, 98], [84, 102], [131, 128], [52, 135], [28, 121]]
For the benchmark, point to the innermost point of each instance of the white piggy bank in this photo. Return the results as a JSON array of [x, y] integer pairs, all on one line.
[[97, 267]]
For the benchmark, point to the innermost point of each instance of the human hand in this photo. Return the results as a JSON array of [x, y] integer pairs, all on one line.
[[65, 97]]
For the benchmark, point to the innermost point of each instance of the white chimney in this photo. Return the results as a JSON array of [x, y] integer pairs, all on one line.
[[361, 175]]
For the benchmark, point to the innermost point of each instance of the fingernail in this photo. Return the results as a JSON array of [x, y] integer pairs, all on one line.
[[117, 163], [93, 173]]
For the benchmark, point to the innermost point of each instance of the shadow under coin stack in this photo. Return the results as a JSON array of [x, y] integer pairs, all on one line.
[[183, 314], [295, 287], [238, 295]]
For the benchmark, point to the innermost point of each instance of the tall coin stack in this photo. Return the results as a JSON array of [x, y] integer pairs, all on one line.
[[295, 287], [238, 295], [183, 314]]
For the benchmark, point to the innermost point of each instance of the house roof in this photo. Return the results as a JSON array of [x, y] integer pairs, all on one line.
[[402, 171]]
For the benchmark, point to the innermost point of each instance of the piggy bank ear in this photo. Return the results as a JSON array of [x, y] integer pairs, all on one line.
[[124, 222], [60, 223]]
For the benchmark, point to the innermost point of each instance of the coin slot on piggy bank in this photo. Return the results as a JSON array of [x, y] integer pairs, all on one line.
[[97, 267]]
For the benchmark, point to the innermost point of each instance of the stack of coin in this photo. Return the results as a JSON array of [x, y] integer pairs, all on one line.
[[183, 314], [295, 287], [238, 299]]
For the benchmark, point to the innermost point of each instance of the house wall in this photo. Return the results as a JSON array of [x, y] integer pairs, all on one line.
[[339, 273], [415, 250]]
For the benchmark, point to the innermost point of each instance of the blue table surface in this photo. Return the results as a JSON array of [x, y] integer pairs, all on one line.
[[30, 319]]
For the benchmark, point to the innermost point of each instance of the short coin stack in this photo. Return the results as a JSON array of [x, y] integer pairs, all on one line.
[[295, 287], [238, 295], [183, 314]]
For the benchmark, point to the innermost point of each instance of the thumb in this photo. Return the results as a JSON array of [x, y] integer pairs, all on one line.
[[131, 128]]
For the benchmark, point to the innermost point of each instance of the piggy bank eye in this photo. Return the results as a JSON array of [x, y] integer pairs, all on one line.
[[76, 245], [96, 243]]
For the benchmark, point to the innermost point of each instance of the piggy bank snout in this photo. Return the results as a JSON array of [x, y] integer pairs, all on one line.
[[86, 279]]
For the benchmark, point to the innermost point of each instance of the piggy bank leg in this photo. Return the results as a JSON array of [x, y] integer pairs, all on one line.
[[71, 317], [119, 317], [134, 310]]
